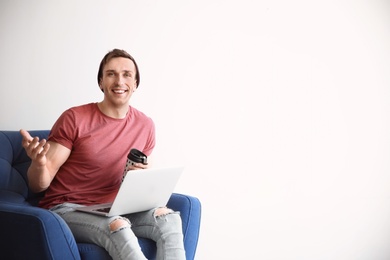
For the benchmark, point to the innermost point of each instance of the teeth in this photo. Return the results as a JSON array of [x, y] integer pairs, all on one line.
[[119, 91]]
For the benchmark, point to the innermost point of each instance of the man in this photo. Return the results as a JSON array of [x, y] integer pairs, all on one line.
[[83, 161]]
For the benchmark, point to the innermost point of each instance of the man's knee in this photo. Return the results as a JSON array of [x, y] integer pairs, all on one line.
[[163, 211], [119, 224]]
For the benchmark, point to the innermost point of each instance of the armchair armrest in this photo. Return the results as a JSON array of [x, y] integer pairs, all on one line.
[[190, 212], [29, 232]]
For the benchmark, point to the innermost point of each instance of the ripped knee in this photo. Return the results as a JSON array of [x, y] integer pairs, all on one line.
[[118, 224], [163, 211]]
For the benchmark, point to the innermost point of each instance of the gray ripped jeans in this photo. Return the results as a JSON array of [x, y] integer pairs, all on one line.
[[120, 240]]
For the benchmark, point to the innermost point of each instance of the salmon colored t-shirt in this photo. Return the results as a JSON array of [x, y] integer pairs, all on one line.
[[99, 146]]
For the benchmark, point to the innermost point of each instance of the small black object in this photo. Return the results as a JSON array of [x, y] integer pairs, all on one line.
[[136, 156]]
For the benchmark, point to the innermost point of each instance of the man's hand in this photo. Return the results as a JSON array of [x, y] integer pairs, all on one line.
[[46, 160], [35, 149], [137, 166]]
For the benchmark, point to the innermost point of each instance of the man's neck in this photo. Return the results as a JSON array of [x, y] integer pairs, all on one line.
[[118, 113]]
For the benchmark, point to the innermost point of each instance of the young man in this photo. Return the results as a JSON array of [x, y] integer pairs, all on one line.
[[83, 161]]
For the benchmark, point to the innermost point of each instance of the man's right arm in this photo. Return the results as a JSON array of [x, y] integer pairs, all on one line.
[[46, 159]]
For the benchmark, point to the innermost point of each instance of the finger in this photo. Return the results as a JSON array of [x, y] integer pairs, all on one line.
[[26, 137], [140, 166], [29, 146], [45, 149], [34, 143], [39, 148], [133, 167], [34, 148]]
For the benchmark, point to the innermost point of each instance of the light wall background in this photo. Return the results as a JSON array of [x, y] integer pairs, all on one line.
[[278, 109]]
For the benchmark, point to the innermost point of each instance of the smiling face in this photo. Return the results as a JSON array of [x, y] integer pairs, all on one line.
[[118, 82]]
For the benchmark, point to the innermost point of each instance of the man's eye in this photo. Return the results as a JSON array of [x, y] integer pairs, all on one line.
[[127, 75]]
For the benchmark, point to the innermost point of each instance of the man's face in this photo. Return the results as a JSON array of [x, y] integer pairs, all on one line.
[[118, 81]]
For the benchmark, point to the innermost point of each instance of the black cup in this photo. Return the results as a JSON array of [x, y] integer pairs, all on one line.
[[136, 156]]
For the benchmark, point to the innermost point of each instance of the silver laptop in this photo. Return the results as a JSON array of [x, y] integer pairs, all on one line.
[[140, 190]]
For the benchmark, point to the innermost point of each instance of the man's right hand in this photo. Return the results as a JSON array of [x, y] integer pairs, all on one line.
[[35, 149], [46, 159]]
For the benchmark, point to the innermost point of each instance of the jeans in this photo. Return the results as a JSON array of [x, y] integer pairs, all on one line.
[[122, 243]]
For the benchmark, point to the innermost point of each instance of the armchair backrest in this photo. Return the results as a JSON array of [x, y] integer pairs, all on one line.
[[14, 164]]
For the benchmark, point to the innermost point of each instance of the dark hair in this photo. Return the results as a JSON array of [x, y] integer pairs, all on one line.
[[116, 53]]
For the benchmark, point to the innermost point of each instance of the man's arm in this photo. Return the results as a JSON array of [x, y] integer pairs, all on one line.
[[46, 159]]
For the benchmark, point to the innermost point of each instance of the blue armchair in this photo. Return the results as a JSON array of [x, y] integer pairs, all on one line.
[[30, 232]]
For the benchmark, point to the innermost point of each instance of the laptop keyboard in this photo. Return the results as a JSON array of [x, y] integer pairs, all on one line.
[[105, 210]]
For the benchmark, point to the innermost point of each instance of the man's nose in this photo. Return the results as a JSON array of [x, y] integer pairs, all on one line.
[[120, 80]]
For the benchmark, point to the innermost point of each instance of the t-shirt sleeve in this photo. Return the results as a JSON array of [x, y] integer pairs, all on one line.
[[63, 130], [151, 141]]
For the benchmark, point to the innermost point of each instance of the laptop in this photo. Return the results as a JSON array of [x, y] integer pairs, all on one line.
[[141, 190]]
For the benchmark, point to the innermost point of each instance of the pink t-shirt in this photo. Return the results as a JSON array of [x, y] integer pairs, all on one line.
[[99, 146]]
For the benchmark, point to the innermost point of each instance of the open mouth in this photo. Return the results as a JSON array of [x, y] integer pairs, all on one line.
[[119, 91]]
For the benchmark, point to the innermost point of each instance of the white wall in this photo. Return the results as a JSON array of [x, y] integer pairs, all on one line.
[[279, 109]]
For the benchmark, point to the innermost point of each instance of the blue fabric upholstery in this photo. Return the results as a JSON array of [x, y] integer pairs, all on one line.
[[30, 232]]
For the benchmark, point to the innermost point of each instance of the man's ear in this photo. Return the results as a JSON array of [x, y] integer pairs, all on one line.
[[100, 84]]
